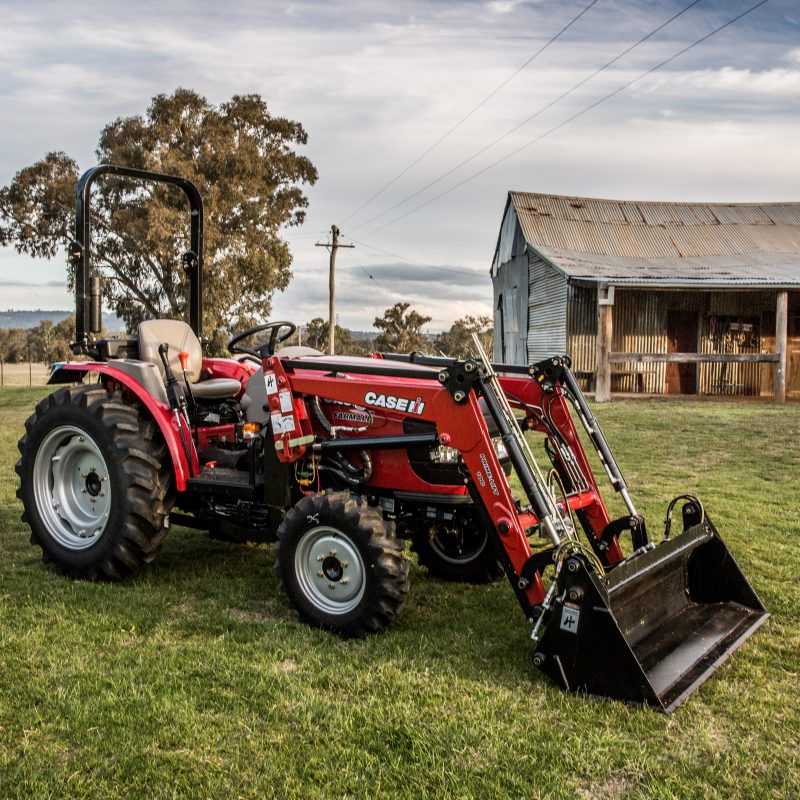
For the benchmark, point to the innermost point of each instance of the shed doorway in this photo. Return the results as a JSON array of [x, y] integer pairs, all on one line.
[[682, 337]]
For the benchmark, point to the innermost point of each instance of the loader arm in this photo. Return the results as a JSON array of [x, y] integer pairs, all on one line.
[[649, 628], [449, 398]]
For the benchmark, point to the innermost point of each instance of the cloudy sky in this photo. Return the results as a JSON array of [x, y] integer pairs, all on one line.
[[377, 83]]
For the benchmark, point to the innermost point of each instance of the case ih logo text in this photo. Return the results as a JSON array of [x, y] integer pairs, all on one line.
[[395, 403]]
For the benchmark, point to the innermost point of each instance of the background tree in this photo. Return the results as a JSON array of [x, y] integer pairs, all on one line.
[[457, 342], [401, 329], [13, 344], [315, 334], [244, 162], [45, 342]]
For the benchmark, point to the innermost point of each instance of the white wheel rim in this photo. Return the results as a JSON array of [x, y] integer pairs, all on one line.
[[330, 570], [71, 487]]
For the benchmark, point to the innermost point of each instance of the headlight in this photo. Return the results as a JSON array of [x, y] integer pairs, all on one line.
[[499, 447], [450, 455], [445, 455]]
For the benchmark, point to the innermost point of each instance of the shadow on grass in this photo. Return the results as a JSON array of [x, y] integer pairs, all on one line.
[[200, 588]]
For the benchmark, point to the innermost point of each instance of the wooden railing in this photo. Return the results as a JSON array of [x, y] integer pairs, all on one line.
[[694, 358]]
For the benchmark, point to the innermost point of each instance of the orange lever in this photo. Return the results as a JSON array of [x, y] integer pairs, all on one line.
[[184, 357]]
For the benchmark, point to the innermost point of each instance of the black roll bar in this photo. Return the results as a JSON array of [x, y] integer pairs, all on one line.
[[80, 249]]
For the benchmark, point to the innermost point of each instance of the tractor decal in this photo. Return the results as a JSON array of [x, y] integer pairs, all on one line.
[[391, 402]]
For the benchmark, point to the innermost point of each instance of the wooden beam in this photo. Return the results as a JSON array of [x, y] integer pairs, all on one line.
[[694, 358], [605, 330], [781, 317]]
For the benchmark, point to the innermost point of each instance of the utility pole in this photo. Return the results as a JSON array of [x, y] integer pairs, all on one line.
[[332, 246]]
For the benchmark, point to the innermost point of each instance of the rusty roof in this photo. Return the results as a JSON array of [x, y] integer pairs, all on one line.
[[661, 243]]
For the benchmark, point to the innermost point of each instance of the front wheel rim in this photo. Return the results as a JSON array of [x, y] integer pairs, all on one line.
[[71, 487], [330, 570]]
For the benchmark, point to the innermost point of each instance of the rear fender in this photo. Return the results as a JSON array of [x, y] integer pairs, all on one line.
[[132, 376], [229, 368]]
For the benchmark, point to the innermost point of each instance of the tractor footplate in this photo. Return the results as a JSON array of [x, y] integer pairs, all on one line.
[[222, 481]]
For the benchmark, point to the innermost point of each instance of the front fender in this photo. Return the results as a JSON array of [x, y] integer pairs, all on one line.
[[144, 381]]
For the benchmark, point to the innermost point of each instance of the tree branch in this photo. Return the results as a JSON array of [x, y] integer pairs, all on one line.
[[116, 275]]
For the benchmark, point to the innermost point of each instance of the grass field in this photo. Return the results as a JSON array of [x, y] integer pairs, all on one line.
[[194, 680]]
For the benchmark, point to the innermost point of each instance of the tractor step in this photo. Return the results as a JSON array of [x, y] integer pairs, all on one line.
[[222, 481]]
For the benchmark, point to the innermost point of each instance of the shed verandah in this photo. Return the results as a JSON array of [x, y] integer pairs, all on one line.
[[682, 298]]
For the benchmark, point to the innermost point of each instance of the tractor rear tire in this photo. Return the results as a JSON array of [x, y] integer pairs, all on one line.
[[95, 483], [462, 554], [340, 565]]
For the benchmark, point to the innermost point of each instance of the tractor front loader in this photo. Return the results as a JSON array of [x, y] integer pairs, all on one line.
[[338, 459], [647, 628]]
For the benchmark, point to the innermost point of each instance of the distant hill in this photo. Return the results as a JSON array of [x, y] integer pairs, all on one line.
[[30, 319], [369, 335]]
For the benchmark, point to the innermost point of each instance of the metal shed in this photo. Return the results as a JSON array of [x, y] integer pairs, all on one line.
[[684, 298]]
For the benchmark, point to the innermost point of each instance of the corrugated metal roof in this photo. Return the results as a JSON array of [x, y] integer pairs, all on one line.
[[743, 270], [727, 243]]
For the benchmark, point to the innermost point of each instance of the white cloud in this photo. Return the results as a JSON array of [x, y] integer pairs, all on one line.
[[503, 6], [375, 82], [733, 81]]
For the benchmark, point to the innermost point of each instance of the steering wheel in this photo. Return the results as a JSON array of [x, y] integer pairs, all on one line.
[[268, 349]]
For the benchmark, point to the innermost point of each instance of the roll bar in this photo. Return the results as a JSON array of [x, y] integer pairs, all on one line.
[[87, 286]]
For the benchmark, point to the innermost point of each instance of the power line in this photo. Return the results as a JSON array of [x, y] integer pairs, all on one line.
[[415, 263], [571, 118], [463, 119], [533, 116]]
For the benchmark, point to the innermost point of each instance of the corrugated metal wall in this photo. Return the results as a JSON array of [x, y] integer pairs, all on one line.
[[640, 326], [547, 309], [582, 330], [510, 287]]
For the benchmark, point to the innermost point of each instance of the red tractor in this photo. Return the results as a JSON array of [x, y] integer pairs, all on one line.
[[339, 459]]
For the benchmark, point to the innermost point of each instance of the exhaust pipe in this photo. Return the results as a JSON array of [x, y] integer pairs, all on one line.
[[656, 626], [95, 304]]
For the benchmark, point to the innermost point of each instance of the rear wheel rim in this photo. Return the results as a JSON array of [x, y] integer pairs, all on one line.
[[71, 487], [457, 546], [330, 570]]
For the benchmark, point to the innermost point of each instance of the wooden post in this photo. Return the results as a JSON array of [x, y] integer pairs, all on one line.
[[781, 318], [332, 247], [605, 329], [2, 375]]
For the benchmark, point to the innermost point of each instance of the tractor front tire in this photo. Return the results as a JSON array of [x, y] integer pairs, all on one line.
[[95, 483], [340, 565]]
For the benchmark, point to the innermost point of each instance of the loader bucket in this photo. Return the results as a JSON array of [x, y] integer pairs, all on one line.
[[655, 627]]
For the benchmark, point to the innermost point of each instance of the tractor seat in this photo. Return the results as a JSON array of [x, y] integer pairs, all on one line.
[[181, 339]]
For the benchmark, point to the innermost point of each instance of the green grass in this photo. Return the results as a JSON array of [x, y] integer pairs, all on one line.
[[194, 680]]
